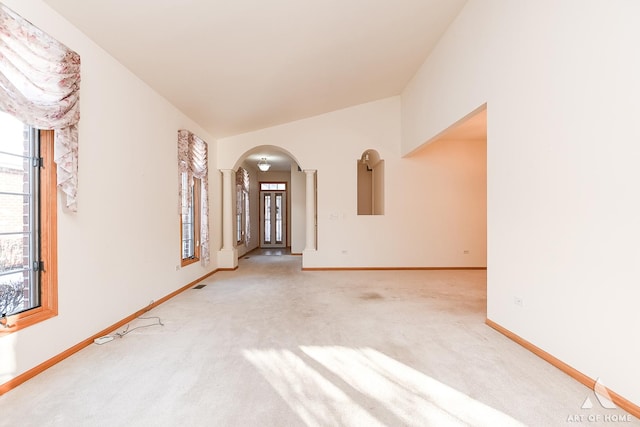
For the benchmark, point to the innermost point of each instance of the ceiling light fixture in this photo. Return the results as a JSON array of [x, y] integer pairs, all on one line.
[[263, 165]]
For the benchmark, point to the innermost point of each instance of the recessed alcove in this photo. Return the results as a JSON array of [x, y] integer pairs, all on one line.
[[370, 183]]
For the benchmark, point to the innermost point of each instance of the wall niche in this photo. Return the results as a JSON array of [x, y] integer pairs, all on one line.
[[370, 183]]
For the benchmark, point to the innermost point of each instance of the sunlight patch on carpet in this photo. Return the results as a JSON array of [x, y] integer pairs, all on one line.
[[366, 379], [313, 398], [412, 396]]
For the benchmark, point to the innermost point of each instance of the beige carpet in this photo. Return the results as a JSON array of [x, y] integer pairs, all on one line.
[[269, 345]]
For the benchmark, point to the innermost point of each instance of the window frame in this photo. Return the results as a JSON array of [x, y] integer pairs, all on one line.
[[48, 214], [196, 190]]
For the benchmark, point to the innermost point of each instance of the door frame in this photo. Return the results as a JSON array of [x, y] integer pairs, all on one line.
[[261, 213]]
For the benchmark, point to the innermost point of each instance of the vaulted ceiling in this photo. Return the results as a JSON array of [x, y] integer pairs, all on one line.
[[241, 65]]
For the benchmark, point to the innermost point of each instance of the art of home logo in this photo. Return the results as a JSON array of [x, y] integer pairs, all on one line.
[[603, 399]]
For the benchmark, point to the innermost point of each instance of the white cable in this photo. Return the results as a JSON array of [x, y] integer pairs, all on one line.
[[108, 338]]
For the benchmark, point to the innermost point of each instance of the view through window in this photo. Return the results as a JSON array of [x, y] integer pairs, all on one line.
[[20, 257], [190, 219]]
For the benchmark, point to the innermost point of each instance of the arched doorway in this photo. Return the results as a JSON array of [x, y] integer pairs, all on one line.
[[272, 211]]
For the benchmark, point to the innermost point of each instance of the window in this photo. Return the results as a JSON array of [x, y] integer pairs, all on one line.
[[265, 186], [28, 281], [190, 220], [41, 87], [193, 197], [243, 226], [241, 211]]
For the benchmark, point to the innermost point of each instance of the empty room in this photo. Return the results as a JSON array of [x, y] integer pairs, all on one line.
[[319, 213]]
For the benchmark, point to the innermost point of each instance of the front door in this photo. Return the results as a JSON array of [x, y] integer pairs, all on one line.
[[273, 209]]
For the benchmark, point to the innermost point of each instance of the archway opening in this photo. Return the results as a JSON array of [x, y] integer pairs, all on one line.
[[270, 203]]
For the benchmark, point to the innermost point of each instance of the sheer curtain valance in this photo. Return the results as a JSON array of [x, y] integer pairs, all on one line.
[[40, 85], [192, 160]]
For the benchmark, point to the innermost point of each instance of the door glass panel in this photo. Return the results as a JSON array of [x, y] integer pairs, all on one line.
[[267, 218], [278, 218], [273, 218]]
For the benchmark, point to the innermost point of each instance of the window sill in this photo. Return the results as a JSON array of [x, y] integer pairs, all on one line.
[[26, 319], [188, 261]]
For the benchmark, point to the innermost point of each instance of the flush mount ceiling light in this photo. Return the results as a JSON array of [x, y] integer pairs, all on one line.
[[263, 165]]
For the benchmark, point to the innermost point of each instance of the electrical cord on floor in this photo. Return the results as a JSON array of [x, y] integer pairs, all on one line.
[[108, 338], [127, 330]]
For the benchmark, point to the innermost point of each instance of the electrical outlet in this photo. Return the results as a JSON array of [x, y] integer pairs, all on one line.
[[177, 267], [518, 301]]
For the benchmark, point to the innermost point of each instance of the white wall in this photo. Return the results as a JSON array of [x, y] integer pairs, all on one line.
[[121, 249], [561, 84], [430, 214], [298, 198]]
